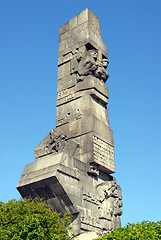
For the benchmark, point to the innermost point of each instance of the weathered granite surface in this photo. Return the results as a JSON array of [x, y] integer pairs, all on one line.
[[74, 161]]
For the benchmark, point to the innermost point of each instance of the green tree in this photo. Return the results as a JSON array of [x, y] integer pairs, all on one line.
[[27, 219], [145, 230]]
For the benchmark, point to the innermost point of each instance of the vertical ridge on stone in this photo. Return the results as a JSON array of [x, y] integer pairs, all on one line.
[[74, 161]]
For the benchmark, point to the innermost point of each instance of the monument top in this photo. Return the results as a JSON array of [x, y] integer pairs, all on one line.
[[80, 30], [84, 16]]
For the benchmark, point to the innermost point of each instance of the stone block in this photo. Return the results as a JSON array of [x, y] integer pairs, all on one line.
[[73, 23], [65, 83], [64, 28], [88, 16], [64, 70], [62, 45]]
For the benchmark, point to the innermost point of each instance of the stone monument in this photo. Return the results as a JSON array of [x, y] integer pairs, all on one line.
[[74, 161]]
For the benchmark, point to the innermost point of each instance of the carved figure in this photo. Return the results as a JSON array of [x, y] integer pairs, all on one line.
[[56, 144], [91, 64], [93, 169], [110, 200]]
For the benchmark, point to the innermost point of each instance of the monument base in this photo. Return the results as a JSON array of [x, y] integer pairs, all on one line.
[[87, 236], [71, 186]]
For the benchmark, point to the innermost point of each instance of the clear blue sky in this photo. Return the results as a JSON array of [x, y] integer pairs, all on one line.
[[131, 29]]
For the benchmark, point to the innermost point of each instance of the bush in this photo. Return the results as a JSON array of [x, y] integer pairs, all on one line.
[[139, 231], [27, 219]]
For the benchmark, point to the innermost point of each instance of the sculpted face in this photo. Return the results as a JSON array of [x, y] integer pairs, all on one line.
[[93, 53], [105, 63]]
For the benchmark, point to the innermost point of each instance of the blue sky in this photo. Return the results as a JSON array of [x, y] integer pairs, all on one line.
[[131, 29]]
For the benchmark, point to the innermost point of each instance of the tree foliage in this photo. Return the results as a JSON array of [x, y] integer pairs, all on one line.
[[27, 219], [145, 230]]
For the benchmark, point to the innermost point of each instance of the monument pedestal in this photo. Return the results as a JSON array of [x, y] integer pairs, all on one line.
[[87, 236]]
